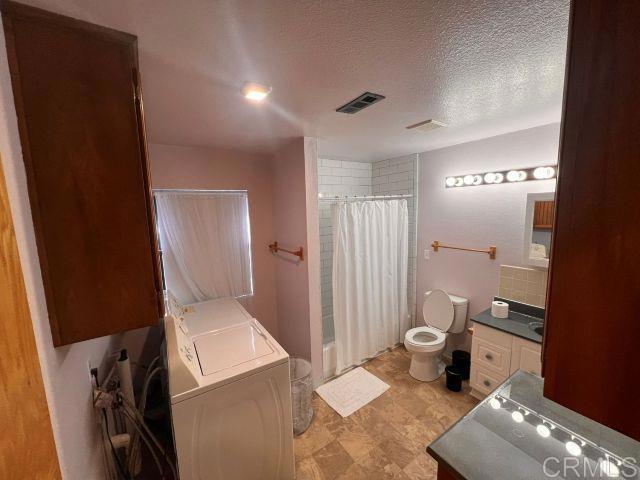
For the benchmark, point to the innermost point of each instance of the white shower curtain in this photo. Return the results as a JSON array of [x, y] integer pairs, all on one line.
[[205, 239], [369, 278]]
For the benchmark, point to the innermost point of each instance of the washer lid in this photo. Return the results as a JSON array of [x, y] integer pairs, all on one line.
[[438, 310], [230, 347]]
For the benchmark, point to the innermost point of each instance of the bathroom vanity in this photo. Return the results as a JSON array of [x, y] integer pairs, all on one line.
[[502, 346]]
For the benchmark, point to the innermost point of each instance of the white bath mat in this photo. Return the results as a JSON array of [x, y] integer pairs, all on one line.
[[352, 391]]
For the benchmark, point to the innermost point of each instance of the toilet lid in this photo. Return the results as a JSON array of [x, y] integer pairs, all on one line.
[[438, 310]]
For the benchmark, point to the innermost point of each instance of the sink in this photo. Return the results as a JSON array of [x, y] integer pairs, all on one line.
[[537, 327]]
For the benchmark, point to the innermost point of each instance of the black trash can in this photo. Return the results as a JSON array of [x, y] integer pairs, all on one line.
[[454, 378], [462, 361]]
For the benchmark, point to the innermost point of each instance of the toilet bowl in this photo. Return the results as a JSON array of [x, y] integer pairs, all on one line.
[[425, 344], [443, 313]]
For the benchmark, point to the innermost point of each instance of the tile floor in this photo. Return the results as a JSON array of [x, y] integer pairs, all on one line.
[[386, 438]]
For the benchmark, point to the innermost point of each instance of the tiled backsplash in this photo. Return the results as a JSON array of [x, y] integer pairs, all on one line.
[[527, 285]]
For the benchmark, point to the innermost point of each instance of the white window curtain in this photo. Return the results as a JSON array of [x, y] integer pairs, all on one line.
[[206, 244], [370, 261]]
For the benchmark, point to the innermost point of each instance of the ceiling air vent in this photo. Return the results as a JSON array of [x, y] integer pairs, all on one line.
[[363, 101]]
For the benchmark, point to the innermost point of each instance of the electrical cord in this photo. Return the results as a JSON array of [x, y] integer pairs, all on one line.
[[141, 408], [128, 407], [121, 470], [145, 440]]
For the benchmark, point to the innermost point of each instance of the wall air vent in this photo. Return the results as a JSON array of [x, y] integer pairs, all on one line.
[[363, 101]]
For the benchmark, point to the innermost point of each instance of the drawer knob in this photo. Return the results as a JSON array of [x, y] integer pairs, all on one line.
[[488, 356], [487, 383]]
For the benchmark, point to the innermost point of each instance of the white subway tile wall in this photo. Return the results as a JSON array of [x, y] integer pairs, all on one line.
[[336, 177], [526, 285]]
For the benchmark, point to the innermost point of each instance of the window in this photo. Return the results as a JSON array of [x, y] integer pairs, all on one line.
[[205, 239]]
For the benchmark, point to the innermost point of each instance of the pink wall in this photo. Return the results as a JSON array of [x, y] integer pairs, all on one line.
[[209, 168], [290, 226], [476, 217]]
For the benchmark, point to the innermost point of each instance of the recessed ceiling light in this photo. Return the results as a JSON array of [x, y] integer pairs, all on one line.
[[255, 91], [427, 125]]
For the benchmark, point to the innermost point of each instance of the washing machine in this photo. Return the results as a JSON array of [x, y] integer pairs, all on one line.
[[230, 394]]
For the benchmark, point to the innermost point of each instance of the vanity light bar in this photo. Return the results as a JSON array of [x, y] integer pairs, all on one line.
[[504, 176]]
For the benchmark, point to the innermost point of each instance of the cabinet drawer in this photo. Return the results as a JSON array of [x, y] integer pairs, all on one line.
[[491, 356], [492, 335], [484, 381]]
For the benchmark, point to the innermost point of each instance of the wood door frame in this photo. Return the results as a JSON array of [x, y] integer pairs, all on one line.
[[28, 450]]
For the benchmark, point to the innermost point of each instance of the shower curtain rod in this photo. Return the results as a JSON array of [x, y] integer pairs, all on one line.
[[363, 197]]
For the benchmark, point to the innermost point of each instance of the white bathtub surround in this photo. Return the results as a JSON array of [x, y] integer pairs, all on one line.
[[352, 391], [329, 359], [369, 278]]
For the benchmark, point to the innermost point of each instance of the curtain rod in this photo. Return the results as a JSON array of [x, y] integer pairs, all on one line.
[[363, 197]]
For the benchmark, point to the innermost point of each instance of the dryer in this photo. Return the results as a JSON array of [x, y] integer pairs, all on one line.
[[230, 395]]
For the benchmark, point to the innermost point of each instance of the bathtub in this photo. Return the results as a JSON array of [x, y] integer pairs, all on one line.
[[329, 360]]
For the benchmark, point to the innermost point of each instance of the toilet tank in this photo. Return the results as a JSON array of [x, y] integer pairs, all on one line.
[[460, 307]]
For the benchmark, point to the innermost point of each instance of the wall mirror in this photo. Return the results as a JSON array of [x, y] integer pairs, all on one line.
[[538, 227]]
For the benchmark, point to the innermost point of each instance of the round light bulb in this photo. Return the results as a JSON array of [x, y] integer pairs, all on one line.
[[477, 179], [543, 431], [450, 181], [516, 175], [468, 179], [495, 403], [543, 173], [609, 469], [517, 417], [499, 178], [573, 448], [459, 182], [489, 177]]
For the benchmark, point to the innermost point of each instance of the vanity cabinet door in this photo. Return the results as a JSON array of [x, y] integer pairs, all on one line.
[[525, 356], [592, 329], [79, 112]]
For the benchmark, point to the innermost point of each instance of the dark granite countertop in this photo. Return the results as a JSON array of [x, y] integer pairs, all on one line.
[[517, 324], [494, 442]]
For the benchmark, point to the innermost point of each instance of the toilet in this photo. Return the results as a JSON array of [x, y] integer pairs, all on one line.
[[443, 313]]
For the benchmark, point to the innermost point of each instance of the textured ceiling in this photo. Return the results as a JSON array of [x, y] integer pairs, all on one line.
[[483, 67]]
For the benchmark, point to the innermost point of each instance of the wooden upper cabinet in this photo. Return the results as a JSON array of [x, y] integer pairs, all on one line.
[[591, 362], [543, 215], [81, 125]]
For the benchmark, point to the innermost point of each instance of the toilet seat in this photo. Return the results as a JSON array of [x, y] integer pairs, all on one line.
[[434, 338]]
